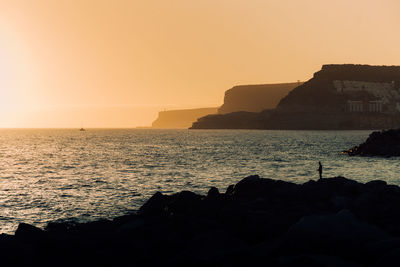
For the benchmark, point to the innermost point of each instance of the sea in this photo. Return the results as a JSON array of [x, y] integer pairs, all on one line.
[[79, 176]]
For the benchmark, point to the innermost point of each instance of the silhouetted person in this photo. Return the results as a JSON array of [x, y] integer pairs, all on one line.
[[320, 170]]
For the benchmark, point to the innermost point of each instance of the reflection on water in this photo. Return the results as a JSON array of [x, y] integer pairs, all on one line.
[[62, 174]]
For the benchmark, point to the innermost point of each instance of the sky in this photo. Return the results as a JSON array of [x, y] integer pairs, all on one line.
[[116, 63]]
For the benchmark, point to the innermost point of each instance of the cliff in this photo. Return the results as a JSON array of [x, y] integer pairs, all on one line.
[[246, 98], [180, 118], [338, 97], [334, 86], [255, 98], [234, 120]]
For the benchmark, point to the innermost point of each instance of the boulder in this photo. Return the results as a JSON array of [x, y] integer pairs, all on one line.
[[315, 260], [376, 250], [213, 193], [229, 189], [379, 143], [254, 187], [392, 258], [155, 205], [376, 184], [184, 202], [29, 232], [341, 233]]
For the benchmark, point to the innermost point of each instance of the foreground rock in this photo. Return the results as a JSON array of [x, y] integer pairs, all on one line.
[[329, 222], [380, 143]]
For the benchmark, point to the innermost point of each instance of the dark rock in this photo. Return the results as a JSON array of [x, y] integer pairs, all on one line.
[[29, 232], [325, 189], [376, 184], [184, 202], [256, 220], [375, 250], [210, 247], [229, 189], [383, 144], [255, 187], [341, 202], [155, 205], [315, 260], [59, 227], [334, 232], [131, 225], [392, 258], [213, 192], [95, 227]]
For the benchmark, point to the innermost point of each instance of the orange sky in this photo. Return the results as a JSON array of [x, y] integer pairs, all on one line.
[[68, 62]]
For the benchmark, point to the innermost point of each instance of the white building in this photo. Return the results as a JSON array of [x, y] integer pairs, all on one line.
[[375, 106]]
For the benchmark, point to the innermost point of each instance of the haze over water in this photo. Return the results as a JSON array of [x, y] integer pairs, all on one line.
[[48, 175]]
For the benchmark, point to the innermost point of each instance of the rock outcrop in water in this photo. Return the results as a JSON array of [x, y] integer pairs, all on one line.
[[329, 222], [181, 118], [338, 97], [380, 143]]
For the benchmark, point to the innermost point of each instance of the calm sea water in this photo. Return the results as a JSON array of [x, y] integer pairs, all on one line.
[[48, 175]]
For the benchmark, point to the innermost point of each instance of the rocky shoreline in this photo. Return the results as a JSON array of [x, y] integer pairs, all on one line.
[[329, 222]]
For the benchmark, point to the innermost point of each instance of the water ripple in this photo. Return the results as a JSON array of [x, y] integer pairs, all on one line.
[[51, 175]]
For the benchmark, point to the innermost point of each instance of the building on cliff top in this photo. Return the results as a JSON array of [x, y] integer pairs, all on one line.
[[369, 96]]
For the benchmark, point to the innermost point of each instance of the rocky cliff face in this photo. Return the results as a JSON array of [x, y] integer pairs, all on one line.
[[255, 98], [180, 118], [234, 120], [343, 88], [338, 97]]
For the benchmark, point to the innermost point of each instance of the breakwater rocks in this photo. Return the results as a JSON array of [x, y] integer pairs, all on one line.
[[329, 222], [379, 143]]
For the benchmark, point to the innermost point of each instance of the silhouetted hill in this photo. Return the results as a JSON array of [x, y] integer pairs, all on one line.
[[334, 85], [180, 118], [329, 222], [255, 98], [234, 120], [338, 97]]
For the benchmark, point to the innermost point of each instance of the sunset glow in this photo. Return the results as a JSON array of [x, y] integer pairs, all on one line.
[[63, 63]]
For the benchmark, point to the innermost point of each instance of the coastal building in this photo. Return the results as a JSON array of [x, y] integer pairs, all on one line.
[[355, 106], [376, 97], [375, 106]]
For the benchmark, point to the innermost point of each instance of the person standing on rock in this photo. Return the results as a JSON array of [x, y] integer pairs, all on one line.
[[320, 170]]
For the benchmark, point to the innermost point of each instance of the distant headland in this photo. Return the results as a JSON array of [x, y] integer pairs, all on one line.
[[180, 118], [338, 97], [243, 98]]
